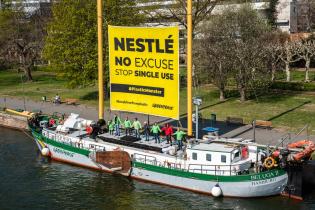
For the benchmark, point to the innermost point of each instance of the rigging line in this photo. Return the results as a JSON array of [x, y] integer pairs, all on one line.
[[27, 134]]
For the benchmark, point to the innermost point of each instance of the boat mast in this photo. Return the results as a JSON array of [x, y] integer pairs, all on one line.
[[189, 67], [100, 59]]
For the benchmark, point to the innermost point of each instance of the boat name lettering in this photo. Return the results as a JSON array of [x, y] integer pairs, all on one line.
[[61, 151], [261, 182], [264, 176]]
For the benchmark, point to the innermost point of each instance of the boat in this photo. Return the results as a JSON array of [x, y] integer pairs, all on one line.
[[213, 167], [22, 113]]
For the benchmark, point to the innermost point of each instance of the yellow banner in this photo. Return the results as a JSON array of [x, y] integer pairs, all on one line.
[[144, 70]]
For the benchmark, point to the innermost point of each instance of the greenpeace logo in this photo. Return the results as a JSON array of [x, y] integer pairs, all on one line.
[[131, 102], [161, 106]]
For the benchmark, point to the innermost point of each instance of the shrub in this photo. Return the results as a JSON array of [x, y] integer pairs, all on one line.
[[293, 86]]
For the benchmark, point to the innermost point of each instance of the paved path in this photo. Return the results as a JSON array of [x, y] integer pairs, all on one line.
[[263, 136]]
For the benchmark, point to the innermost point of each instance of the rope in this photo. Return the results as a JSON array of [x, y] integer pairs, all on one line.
[[27, 134]]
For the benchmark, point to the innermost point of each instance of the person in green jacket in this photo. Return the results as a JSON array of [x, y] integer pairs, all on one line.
[[117, 122], [127, 125], [137, 126], [179, 138], [111, 126], [156, 131]]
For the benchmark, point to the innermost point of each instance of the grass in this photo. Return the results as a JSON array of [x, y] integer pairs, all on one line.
[[286, 109], [44, 84], [297, 75]]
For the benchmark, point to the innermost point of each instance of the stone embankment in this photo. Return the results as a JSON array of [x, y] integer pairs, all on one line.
[[13, 121]]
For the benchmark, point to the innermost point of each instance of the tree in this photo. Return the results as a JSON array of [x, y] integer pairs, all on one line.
[[212, 52], [288, 53], [272, 13], [21, 38], [71, 43], [249, 50], [233, 45], [274, 38], [306, 51], [177, 11]]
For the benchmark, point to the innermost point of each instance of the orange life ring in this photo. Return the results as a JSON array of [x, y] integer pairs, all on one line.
[[269, 162]]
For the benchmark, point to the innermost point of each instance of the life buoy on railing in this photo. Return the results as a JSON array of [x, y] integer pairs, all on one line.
[[269, 162]]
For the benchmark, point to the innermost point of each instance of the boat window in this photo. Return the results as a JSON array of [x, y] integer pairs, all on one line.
[[208, 157], [237, 154], [194, 156], [223, 158]]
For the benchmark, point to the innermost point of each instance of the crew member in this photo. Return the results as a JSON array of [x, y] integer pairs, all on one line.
[[168, 130], [111, 126], [127, 125], [137, 126], [156, 130], [146, 131], [117, 122], [179, 138]]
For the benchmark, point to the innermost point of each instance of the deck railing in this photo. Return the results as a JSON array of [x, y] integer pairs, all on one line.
[[68, 141], [195, 168]]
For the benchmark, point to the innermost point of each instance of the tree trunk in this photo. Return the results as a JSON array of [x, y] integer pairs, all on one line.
[[273, 72], [222, 94], [287, 71], [243, 94], [307, 68], [28, 73]]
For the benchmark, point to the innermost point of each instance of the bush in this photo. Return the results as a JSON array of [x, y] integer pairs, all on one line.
[[293, 86]]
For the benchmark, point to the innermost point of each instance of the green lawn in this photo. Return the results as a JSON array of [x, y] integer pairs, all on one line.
[[44, 84], [287, 110], [297, 75]]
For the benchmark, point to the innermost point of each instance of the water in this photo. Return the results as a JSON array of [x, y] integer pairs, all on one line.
[[29, 181]]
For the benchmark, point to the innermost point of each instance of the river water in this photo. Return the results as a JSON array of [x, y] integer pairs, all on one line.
[[29, 181]]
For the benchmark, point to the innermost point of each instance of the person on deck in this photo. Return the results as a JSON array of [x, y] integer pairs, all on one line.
[[127, 125], [156, 130], [168, 130], [111, 126], [146, 128], [137, 126], [117, 122], [179, 138]]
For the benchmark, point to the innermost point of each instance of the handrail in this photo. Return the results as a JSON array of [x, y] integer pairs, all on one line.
[[201, 168], [77, 144]]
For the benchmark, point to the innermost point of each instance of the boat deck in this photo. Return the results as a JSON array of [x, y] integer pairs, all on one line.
[[132, 141]]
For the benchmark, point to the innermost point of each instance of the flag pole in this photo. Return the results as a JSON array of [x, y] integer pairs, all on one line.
[[100, 59], [189, 67]]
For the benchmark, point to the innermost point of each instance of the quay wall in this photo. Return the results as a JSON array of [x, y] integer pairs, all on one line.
[[13, 121]]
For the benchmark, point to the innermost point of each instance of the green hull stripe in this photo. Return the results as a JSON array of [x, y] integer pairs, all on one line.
[[206, 177], [61, 145]]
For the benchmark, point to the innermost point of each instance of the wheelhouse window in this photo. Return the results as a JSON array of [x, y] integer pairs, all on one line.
[[223, 158], [194, 156], [237, 154], [208, 157]]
